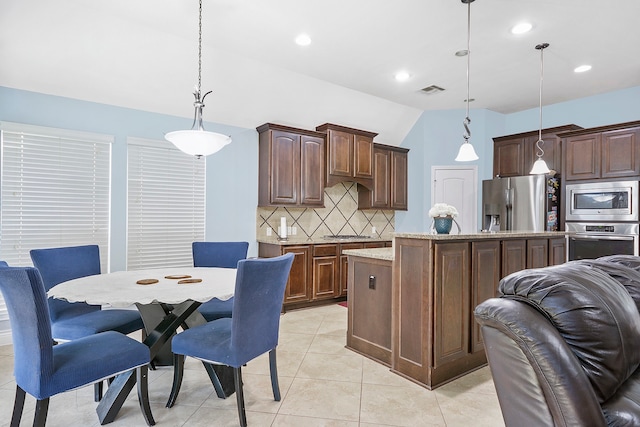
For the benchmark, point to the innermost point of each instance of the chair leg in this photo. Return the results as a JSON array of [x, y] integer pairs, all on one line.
[[143, 394], [42, 407], [273, 368], [237, 379], [18, 406], [97, 391], [178, 369]]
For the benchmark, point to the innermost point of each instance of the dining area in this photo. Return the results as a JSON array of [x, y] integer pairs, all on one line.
[[72, 326]]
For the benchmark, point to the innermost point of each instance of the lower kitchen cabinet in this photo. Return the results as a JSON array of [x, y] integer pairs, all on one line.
[[557, 251], [537, 253], [369, 301], [485, 276], [319, 271]]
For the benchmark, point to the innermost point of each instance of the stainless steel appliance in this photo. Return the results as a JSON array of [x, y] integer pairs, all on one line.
[[602, 201], [527, 203], [593, 240]]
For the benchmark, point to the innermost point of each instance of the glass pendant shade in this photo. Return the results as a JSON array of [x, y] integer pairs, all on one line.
[[198, 142], [539, 167], [466, 153]]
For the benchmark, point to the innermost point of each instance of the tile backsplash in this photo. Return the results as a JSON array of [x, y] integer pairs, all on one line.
[[339, 216]]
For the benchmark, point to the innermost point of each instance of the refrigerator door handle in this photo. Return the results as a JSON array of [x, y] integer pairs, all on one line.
[[509, 193]]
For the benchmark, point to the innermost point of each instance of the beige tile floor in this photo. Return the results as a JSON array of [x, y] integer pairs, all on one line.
[[323, 384]]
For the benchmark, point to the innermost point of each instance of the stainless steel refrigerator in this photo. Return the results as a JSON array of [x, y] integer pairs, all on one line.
[[521, 203]]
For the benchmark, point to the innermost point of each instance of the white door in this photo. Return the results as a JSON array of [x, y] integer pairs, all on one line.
[[457, 186]]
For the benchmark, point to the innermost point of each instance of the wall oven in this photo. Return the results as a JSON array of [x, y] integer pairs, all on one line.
[[602, 201], [593, 240]]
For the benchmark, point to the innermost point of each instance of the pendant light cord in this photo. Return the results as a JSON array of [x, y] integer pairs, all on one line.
[[200, 46], [467, 120], [539, 143]]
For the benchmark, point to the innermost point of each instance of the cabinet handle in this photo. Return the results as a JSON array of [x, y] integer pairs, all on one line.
[[372, 282]]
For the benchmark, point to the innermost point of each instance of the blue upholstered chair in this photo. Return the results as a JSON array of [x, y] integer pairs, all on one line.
[[3, 264], [70, 321], [44, 370], [252, 331], [218, 254]]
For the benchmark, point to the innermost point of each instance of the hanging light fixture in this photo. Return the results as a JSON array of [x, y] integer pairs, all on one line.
[[466, 152], [540, 166], [197, 141]]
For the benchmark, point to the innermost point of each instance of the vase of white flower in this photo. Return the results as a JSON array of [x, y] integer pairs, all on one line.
[[443, 216]]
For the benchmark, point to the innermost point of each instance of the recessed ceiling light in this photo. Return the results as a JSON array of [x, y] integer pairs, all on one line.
[[521, 28], [303, 40], [402, 76], [463, 52], [582, 68]]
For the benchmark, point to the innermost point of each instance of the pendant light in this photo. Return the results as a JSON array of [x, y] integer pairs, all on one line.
[[197, 141], [466, 152], [540, 166]]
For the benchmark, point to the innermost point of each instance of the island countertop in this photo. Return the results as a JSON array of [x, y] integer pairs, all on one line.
[[518, 234], [385, 254]]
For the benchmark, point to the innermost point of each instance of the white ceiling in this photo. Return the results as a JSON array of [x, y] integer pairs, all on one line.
[[142, 54]]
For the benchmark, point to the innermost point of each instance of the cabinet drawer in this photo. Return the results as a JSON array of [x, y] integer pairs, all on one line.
[[325, 250]]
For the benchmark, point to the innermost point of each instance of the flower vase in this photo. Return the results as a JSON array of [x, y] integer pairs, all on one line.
[[443, 224]]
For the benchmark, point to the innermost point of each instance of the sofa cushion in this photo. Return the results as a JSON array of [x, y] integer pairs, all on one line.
[[624, 270], [593, 312]]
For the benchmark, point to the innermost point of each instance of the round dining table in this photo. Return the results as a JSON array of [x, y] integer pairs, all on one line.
[[167, 298]]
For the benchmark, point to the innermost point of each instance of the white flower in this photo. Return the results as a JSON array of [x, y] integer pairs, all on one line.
[[443, 209]]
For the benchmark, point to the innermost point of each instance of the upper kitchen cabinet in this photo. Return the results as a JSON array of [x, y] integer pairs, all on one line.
[[605, 152], [514, 155], [290, 166], [349, 155], [389, 180]]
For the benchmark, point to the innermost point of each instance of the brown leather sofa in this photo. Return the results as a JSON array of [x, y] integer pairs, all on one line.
[[563, 344]]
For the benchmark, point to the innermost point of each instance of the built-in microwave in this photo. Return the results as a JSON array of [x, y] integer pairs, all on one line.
[[602, 201]]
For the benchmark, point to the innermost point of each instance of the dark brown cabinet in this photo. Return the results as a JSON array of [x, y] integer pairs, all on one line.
[[325, 272], [557, 251], [290, 166], [607, 152], [349, 155], [485, 276], [319, 271], [514, 256], [537, 253], [389, 180], [514, 155], [369, 317]]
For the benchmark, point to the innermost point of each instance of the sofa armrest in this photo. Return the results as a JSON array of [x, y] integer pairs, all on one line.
[[538, 379]]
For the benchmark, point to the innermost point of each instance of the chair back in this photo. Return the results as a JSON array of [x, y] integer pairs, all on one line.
[[3, 264], [259, 291], [219, 254], [57, 265], [26, 303]]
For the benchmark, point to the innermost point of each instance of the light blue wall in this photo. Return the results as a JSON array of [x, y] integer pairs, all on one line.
[[232, 177], [436, 136], [232, 173]]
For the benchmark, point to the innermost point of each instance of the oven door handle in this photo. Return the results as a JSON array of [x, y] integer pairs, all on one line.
[[599, 237]]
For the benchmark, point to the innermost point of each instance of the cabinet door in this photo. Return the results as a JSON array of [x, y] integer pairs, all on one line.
[[509, 157], [362, 157], [325, 277], [300, 275], [485, 271], [344, 265], [399, 180], [582, 157], [537, 253], [311, 171], [557, 251], [620, 153], [339, 154], [382, 179], [285, 173], [451, 309], [514, 256]]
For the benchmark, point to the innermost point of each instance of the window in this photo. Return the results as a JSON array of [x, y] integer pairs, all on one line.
[[55, 191], [166, 205]]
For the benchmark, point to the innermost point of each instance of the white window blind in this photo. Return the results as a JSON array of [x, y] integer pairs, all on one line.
[[55, 191], [166, 205]]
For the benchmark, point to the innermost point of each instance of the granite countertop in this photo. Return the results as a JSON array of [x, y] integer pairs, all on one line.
[[304, 240], [386, 254], [476, 236]]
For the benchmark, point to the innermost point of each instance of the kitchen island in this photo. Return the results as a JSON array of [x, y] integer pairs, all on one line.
[[419, 321]]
